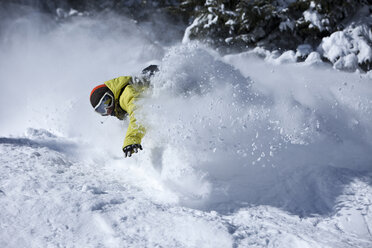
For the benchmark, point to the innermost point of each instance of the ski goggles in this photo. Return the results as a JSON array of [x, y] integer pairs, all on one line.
[[103, 106]]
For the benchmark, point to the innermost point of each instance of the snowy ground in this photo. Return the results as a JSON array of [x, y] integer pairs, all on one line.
[[239, 152], [50, 199]]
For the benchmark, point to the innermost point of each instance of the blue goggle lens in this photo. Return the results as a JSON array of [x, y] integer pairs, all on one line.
[[104, 104]]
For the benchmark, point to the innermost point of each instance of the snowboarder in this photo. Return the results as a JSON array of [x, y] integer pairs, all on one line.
[[117, 97]]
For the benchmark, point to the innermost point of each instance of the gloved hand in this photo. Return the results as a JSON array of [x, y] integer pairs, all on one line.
[[129, 150]]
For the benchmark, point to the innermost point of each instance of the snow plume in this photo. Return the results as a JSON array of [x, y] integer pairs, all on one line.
[[235, 131]]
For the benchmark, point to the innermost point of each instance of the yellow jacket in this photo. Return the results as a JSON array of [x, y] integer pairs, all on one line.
[[125, 95]]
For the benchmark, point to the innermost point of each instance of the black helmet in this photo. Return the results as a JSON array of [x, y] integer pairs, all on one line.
[[102, 100]]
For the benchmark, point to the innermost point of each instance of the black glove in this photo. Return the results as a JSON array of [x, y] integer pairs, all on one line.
[[129, 150]]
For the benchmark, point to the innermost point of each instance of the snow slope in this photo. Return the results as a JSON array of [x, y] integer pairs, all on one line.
[[240, 152], [50, 198]]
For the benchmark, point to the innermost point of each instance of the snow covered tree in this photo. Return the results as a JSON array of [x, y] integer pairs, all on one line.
[[272, 24]]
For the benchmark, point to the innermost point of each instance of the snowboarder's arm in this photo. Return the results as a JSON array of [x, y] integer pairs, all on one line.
[[135, 131]]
